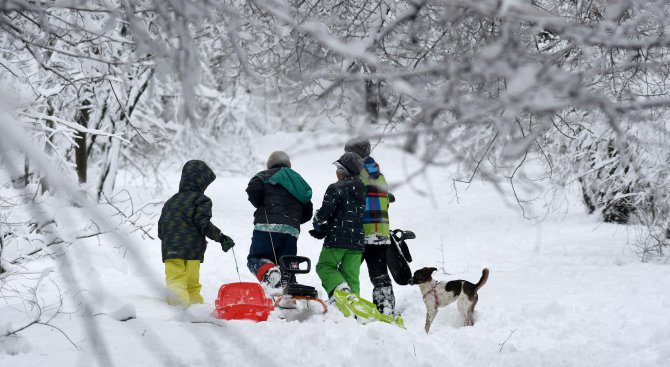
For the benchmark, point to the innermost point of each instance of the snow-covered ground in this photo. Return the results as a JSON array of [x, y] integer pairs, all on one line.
[[564, 292]]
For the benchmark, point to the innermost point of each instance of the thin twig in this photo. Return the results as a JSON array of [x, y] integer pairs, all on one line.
[[503, 343], [61, 331]]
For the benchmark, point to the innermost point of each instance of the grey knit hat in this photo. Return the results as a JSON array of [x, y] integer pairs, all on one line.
[[358, 145], [278, 157], [351, 163]]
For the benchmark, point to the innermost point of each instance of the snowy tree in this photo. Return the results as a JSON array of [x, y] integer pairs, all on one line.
[[103, 85], [486, 85], [91, 88], [482, 85]]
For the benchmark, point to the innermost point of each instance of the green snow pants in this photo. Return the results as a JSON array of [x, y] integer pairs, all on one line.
[[338, 265]]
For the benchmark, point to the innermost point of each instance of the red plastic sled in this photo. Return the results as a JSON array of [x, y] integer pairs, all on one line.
[[243, 301]]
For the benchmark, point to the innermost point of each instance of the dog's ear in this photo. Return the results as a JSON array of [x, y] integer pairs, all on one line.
[[432, 270]]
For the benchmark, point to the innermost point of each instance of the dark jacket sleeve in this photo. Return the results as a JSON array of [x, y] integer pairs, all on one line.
[[330, 201], [202, 218], [307, 211], [160, 225], [256, 191]]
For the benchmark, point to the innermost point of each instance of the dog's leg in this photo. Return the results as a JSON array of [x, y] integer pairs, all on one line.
[[469, 318], [463, 305], [431, 312]]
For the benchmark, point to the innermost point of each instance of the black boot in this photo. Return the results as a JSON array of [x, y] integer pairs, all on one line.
[[382, 294]]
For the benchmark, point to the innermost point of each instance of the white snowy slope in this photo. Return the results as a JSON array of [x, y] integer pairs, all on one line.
[[565, 292]]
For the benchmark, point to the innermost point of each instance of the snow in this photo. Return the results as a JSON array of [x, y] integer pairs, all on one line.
[[566, 291], [124, 313], [524, 78]]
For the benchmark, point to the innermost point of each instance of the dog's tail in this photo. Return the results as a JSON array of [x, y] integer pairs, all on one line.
[[483, 279]]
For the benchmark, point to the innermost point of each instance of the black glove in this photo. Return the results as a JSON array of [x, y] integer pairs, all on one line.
[[317, 234], [226, 243]]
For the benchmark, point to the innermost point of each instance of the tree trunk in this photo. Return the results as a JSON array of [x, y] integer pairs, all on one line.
[[80, 152], [26, 172], [372, 97], [109, 169], [2, 270], [372, 100], [44, 182]]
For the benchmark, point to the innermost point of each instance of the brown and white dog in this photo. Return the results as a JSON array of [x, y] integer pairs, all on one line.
[[440, 294]]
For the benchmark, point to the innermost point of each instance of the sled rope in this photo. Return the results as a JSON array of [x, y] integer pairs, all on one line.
[[236, 267], [270, 234]]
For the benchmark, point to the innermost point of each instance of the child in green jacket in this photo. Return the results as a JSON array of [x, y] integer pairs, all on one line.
[[340, 222]]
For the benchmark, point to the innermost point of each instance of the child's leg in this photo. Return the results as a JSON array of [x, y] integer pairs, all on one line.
[[261, 256], [327, 268], [382, 291], [351, 269], [193, 281], [175, 278], [259, 266], [288, 246]]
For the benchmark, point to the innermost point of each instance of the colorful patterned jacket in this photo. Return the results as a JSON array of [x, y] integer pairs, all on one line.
[[185, 219], [376, 219]]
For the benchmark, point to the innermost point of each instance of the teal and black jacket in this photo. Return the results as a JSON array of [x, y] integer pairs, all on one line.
[[186, 217], [282, 200]]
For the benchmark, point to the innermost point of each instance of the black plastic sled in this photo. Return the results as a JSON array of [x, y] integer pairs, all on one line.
[[398, 256], [298, 265]]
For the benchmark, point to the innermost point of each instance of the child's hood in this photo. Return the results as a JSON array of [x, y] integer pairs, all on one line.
[[293, 183], [196, 176], [372, 167]]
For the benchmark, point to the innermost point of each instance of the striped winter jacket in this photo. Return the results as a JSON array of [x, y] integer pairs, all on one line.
[[376, 219]]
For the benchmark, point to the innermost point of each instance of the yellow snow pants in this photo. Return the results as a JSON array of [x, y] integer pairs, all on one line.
[[183, 281]]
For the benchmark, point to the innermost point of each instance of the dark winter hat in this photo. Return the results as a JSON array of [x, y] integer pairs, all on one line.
[[358, 145], [351, 163], [278, 157]]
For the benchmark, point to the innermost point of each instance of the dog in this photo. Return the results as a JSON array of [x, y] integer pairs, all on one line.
[[440, 294]]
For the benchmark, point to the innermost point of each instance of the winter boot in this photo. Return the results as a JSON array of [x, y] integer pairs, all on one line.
[[382, 294], [271, 281], [344, 287]]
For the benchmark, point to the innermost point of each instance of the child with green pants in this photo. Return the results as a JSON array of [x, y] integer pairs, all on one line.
[[340, 222]]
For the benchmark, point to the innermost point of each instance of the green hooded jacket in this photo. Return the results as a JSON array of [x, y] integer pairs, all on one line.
[[293, 183]]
